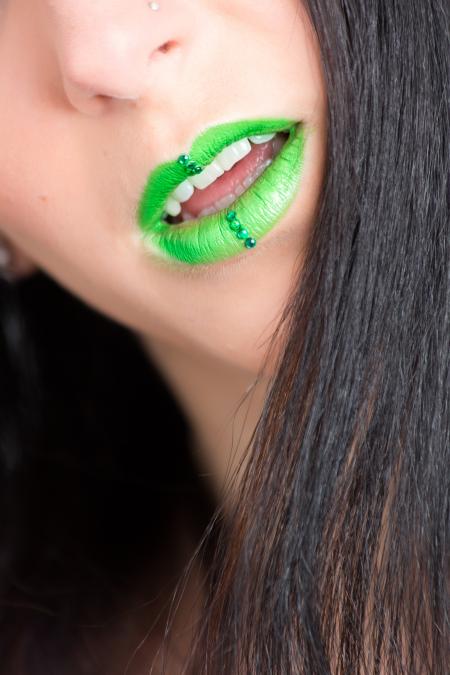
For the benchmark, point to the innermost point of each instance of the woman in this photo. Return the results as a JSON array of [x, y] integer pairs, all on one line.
[[225, 445]]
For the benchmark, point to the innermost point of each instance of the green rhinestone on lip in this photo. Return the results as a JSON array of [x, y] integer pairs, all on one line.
[[242, 233], [239, 230], [231, 215], [189, 165], [235, 225], [193, 168], [183, 160]]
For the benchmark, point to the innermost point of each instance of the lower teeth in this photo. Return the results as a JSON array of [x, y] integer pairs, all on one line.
[[223, 203], [229, 199]]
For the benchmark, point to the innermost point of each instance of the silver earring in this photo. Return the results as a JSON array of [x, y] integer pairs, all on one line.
[[154, 6]]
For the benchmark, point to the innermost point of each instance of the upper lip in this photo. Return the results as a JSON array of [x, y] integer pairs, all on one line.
[[209, 143]]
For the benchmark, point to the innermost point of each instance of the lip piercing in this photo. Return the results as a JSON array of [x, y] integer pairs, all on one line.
[[240, 230], [191, 167], [154, 6]]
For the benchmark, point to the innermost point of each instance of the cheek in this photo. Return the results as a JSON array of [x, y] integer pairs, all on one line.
[[229, 311], [44, 206], [66, 207]]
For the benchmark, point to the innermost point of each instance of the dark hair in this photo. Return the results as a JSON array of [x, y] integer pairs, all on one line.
[[335, 557], [338, 550], [87, 490]]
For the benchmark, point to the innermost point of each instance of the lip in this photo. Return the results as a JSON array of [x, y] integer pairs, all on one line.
[[209, 239]]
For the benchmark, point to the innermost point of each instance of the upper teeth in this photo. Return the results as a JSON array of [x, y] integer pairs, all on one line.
[[224, 161], [263, 138]]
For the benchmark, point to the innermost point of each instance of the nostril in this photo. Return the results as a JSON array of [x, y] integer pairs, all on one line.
[[167, 46]]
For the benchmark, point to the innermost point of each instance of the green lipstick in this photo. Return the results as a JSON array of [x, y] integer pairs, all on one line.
[[209, 239]]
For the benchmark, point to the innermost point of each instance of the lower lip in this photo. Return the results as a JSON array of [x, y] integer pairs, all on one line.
[[210, 239]]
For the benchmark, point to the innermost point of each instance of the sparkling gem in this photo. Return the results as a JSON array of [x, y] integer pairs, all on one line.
[[250, 242], [194, 168], [242, 233], [235, 225], [183, 160], [231, 215]]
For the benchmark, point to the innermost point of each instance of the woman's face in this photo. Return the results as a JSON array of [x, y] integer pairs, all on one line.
[[95, 95]]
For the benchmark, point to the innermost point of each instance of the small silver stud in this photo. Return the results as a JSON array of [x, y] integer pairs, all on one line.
[[154, 6]]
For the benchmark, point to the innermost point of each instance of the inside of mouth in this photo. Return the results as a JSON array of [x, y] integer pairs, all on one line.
[[232, 184]]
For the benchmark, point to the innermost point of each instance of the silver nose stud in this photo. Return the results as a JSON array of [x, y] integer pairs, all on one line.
[[154, 6]]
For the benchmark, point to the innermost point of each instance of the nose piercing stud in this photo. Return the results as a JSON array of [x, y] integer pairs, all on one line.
[[154, 6]]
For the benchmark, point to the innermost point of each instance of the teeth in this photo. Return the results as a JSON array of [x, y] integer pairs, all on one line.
[[249, 180], [233, 153], [186, 215], [225, 201], [207, 211], [207, 176], [183, 192], [263, 138], [224, 161], [239, 190], [217, 206], [173, 207]]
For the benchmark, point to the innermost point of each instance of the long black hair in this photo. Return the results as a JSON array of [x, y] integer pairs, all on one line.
[[335, 557], [88, 491]]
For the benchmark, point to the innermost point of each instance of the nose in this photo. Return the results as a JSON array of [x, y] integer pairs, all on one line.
[[110, 50]]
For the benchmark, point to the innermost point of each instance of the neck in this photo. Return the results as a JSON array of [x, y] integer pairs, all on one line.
[[222, 405]]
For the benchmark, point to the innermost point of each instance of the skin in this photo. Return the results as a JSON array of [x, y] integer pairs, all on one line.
[[94, 96], [208, 240], [111, 89]]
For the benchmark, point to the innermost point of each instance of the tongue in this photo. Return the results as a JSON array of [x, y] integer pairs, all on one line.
[[232, 182]]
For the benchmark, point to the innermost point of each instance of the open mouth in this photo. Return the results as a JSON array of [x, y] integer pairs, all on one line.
[[234, 186], [227, 177]]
